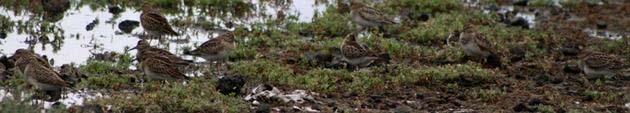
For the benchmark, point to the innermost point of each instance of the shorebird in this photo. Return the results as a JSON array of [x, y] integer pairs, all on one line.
[[154, 23], [22, 57], [156, 68], [368, 17], [356, 54], [600, 65], [215, 49], [145, 48], [44, 78], [475, 45]]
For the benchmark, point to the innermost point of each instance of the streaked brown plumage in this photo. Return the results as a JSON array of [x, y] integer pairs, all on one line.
[[154, 23], [477, 46], [44, 78], [597, 64], [144, 48], [215, 49], [367, 16], [155, 68], [355, 53], [22, 57]]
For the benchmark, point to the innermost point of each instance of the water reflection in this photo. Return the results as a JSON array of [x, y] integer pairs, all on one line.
[[72, 35], [67, 40]]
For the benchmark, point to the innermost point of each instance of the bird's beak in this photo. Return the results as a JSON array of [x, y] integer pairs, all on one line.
[[134, 48]]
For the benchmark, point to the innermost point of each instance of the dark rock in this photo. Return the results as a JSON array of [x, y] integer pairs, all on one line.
[[571, 68], [376, 99], [520, 22], [128, 25], [3, 35], [114, 9], [537, 101], [91, 25], [522, 108], [229, 24], [602, 25], [231, 84], [420, 16], [521, 3]]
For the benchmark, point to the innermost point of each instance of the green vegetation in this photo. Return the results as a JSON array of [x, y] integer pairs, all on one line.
[[196, 96], [425, 59]]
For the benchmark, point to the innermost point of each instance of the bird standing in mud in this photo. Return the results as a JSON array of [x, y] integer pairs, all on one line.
[[39, 73], [216, 49], [156, 67], [475, 45], [600, 65], [356, 54], [154, 23], [367, 17], [22, 57], [144, 48]]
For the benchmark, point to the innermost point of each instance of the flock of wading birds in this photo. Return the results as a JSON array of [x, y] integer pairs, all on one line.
[[160, 64]]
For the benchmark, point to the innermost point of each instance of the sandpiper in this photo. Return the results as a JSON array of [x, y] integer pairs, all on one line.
[[144, 48], [598, 65], [154, 23], [44, 78], [22, 57], [215, 49], [368, 17], [475, 45], [356, 54], [155, 68]]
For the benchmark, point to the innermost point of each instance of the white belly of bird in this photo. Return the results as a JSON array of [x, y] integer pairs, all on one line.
[[595, 72], [222, 55], [361, 62], [472, 49], [155, 76], [43, 86]]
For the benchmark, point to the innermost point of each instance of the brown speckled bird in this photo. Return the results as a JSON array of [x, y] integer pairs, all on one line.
[[145, 48], [154, 23], [598, 65], [22, 57], [356, 54], [368, 17], [43, 77], [476, 46], [215, 49], [156, 68]]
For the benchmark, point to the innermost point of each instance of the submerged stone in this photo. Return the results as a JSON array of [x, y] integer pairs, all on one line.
[[230, 84], [114, 9], [128, 25]]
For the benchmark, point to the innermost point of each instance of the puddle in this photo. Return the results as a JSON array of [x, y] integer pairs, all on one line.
[[78, 43]]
